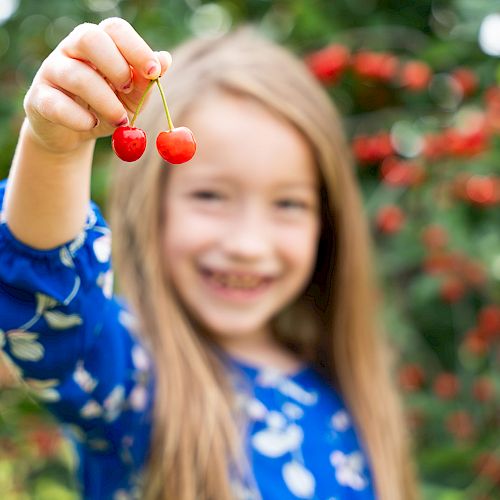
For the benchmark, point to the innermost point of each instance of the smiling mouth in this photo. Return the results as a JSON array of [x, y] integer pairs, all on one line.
[[236, 281]]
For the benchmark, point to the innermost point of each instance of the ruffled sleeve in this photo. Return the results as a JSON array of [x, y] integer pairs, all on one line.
[[75, 345]]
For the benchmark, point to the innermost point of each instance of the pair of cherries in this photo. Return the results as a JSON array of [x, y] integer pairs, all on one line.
[[176, 145]]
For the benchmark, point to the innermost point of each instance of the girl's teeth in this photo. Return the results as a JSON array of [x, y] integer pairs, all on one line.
[[237, 281]]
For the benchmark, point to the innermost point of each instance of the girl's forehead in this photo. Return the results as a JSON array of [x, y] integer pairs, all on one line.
[[238, 139]]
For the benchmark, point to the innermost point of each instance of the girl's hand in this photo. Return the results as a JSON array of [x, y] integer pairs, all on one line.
[[90, 84]]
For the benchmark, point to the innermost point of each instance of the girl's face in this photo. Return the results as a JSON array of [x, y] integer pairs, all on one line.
[[241, 220]]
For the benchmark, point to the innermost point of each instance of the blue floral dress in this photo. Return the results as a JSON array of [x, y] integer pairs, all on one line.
[[77, 348]]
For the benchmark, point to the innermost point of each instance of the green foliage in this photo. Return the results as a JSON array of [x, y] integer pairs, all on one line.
[[433, 323]]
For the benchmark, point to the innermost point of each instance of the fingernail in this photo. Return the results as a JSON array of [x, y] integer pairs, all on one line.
[[153, 68], [127, 88], [123, 122], [166, 55]]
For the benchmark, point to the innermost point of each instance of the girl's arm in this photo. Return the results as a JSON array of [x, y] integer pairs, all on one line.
[[48, 192], [85, 88], [61, 329]]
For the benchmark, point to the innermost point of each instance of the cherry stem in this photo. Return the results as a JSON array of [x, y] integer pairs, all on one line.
[[170, 124], [141, 102]]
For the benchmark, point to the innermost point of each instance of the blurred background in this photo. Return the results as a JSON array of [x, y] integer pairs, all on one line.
[[418, 85]]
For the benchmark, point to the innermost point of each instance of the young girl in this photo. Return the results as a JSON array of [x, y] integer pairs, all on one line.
[[243, 358]]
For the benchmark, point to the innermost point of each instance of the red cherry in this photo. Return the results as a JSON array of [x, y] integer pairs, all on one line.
[[446, 385], [452, 289], [329, 63], [176, 145], [129, 143], [416, 75], [390, 219]]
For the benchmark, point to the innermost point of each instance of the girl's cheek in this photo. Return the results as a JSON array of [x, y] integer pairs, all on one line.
[[298, 245], [192, 229]]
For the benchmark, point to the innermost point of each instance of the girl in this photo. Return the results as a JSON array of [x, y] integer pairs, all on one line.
[[243, 358]]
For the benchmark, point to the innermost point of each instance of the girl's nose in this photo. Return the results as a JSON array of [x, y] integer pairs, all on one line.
[[248, 237]]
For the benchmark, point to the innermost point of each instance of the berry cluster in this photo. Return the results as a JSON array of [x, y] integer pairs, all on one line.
[[176, 145], [331, 62]]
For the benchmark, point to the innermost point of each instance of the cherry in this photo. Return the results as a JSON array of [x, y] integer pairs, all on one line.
[[176, 145], [129, 143]]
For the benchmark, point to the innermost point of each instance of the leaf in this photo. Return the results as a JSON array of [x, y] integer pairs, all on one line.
[[66, 258], [24, 345], [83, 378], [44, 389], [61, 321], [39, 384], [91, 409], [44, 302], [113, 403], [48, 395]]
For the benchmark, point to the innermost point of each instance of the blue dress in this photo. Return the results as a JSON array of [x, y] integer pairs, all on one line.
[[77, 348]]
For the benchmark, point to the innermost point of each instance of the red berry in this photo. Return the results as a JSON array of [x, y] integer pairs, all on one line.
[[390, 219], [483, 389], [474, 343], [129, 143], [416, 75], [176, 145], [446, 385], [434, 237], [411, 377], [460, 424], [452, 289], [328, 63], [466, 80]]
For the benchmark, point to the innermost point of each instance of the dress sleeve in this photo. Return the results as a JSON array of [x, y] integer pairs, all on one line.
[[72, 342]]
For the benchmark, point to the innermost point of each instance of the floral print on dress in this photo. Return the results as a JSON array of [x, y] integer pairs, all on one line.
[[300, 481], [348, 469], [79, 351]]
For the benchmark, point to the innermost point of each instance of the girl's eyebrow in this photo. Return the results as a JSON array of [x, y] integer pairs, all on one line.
[[207, 177], [299, 184]]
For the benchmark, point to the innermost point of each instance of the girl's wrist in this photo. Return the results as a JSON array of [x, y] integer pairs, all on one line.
[[61, 149]]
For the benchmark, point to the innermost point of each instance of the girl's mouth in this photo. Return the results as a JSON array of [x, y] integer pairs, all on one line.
[[235, 285]]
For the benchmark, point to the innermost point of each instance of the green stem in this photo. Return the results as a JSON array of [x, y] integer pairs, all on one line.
[[141, 102], [170, 124]]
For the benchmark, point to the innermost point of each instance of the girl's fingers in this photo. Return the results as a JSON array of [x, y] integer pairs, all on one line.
[[134, 49], [165, 59], [57, 107], [89, 43], [79, 79], [140, 83]]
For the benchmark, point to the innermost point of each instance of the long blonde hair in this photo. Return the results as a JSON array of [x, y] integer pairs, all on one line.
[[197, 432]]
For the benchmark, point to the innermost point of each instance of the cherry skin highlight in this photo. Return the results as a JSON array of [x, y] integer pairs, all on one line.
[[129, 143], [177, 145]]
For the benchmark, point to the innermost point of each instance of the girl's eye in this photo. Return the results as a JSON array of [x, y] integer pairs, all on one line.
[[207, 195], [288, 203]]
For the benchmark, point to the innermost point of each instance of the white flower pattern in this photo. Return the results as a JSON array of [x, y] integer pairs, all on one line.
[[348, 469], [300, 481], [302, 441], [281, 436]]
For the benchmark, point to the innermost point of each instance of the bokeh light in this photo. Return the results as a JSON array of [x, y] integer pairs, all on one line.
[[489, 40], [7, 9], [210, 21]]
